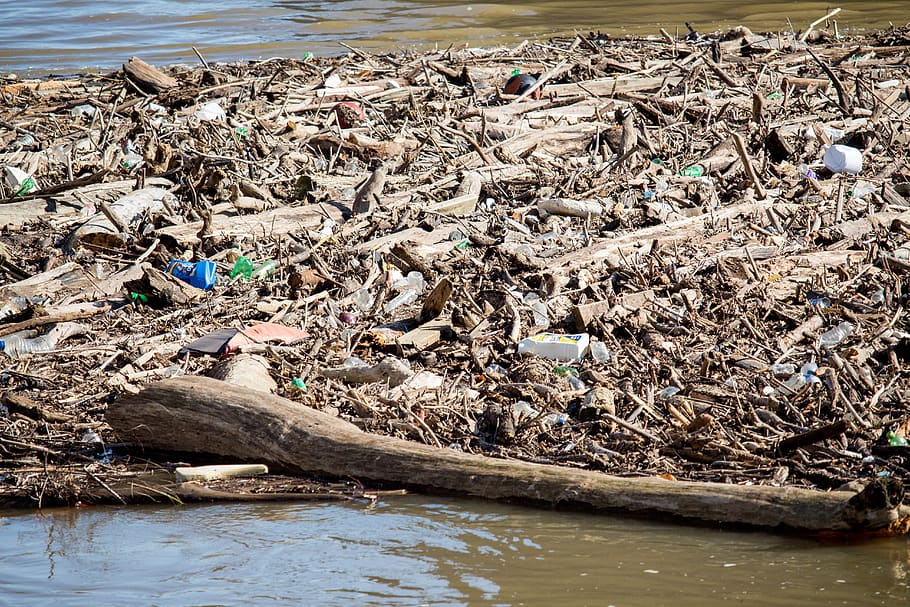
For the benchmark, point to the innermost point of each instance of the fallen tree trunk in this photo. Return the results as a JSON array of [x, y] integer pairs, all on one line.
[[203, 415]]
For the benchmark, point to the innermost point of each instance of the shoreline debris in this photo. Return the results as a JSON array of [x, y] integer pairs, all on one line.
[[674, 200]]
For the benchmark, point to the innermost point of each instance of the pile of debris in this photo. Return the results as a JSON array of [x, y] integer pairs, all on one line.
[[684, 258]]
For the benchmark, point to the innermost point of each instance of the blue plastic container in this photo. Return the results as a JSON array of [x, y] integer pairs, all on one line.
[[200, 274]]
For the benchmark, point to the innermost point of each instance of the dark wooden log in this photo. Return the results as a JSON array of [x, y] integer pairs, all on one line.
[[203, 415]]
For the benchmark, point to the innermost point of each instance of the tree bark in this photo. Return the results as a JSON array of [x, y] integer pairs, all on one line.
[[203, 415]]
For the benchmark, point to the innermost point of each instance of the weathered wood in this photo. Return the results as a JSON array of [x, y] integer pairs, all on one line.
[[368, 195], [128, 210], [464, 202], [812, 436], [390, 369], [571, 208], [426, 335], [436, 300], [583, 314], [202, 415], [147, 77], [245, 370], [40, 321], [275, 222]]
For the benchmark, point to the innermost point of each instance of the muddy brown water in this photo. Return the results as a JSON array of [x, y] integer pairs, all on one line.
[[425, 551], [66, 36]]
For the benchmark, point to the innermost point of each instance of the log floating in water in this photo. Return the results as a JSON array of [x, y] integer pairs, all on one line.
[[203, 415]]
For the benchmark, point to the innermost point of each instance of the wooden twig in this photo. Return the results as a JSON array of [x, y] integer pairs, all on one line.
[[750, 169], [805, 34]]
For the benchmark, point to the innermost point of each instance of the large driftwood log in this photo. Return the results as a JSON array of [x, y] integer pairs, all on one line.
[[203, 415]]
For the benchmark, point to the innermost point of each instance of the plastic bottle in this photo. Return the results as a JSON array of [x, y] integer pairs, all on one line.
[[242, 267], [523, 410], [17, 345], [555, 419], [211, 111], [495, 371], [554, 346], [264, 269], [834, 336], [363, 300], [805, 376], [414, 280], [843, 159], [405, 297]]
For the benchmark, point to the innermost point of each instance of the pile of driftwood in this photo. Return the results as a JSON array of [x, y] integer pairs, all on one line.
[[387, 232]]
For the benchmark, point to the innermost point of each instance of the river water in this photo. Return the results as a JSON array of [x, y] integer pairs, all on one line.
[[65, 36], [424, 551]]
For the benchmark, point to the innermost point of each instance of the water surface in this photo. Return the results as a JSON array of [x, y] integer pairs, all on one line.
[[65, 36], [422, 551]]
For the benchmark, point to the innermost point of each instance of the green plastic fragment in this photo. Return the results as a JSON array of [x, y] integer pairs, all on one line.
[[139, 297], [298, 383], [693, 171], [25, 187], [565, 371]]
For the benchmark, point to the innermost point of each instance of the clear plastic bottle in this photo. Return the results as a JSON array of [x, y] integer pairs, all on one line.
[[405, 297], [18, 345], [834, 336]]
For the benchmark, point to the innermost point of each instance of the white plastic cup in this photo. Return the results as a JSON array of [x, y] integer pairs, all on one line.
[[844, 159]]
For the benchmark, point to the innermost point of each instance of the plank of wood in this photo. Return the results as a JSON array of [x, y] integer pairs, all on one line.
[[203, 415], [436, 300], [277, 222], [426, 335], [583, 314], [689, 229]]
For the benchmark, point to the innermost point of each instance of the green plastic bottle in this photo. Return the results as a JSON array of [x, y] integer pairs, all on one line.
[[264, 269], [242, 267]]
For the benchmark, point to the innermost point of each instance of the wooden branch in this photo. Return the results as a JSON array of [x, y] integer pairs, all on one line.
[[202, 415], [750, 169], [846, 105], [40, 321], [371, 190], [812, 436]]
